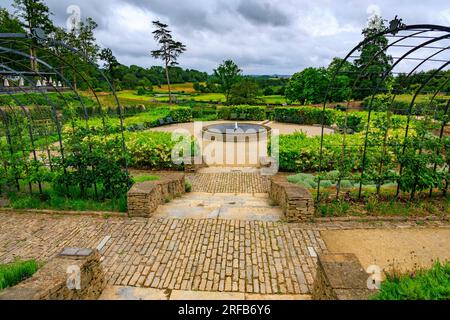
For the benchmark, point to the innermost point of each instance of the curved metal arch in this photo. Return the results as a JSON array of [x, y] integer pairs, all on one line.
[[422, 28], [44, 47], [375, 91]]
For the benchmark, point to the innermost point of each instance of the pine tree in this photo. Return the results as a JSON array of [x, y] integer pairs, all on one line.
[[169, 50]]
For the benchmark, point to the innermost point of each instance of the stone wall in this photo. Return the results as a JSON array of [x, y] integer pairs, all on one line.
[[340, 277], [144, 198], [51, 281], [296, 201]]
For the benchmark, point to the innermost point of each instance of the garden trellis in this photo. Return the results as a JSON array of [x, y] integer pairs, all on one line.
[[408, 154], [44, 129]]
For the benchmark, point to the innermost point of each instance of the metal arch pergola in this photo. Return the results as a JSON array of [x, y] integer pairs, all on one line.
[[46, 116], [423, 43]]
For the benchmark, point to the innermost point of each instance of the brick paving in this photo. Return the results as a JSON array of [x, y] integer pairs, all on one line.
[[233, 182], [200, 255]]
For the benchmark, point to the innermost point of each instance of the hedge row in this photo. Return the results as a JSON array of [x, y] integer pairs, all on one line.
[[383, 102], [244, 113], [305, 115], [154, 118]]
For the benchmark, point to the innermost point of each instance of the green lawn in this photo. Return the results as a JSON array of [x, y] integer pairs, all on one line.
[[14, 273], [145, 178], [420, 98], [163, 96], [51, 200]]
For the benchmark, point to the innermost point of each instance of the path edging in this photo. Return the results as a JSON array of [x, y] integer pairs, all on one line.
[[66, 213]]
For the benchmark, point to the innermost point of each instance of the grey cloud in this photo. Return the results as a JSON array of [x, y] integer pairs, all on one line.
[[262, 36], [262, 13]]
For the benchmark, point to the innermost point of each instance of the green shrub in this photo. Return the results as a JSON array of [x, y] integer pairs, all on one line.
[[354, 121], [188, 186], [305, 115], [243, 113], [433, 284], [14, 273], [181, 114]]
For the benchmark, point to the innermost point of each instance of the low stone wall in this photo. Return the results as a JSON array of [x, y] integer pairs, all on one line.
[[51, 281], [296, 201], [144, 198], [340, 277]]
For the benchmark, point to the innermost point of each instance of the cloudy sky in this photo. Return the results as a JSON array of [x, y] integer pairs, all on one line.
[[262, 36]]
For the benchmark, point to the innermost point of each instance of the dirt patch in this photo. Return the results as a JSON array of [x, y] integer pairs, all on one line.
[[402, 249]]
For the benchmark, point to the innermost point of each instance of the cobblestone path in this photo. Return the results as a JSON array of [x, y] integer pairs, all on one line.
[[204, 255], [233, 182]]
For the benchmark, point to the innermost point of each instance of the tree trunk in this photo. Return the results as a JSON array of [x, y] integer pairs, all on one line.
[[33, 62], [168, 83], [75, 82]]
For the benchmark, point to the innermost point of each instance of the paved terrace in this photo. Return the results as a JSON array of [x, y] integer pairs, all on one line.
[[195, 255]]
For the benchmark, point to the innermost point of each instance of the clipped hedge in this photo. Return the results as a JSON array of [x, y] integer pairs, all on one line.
[[304, 115], [244, 113]]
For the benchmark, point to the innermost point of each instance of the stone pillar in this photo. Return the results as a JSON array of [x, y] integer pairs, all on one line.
[[75, 274], [340, 277]]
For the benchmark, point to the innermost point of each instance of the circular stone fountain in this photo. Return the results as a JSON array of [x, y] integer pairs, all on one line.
[[237, 129], [235, 144]]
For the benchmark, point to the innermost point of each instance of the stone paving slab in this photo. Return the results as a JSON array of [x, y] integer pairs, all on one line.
[[134, 293], [221, 206]]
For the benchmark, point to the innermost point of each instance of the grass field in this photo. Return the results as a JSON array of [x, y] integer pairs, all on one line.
[[178, 87], [186, 92]]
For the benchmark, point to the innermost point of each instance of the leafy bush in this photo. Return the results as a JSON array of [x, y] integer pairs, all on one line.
[[354, 122], [181, 114], [305, 115], [433, 284], [92, 161], [188, 186], [244, 113], [300, 153], [14, 273]]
